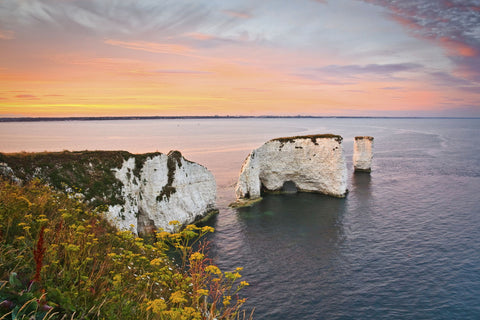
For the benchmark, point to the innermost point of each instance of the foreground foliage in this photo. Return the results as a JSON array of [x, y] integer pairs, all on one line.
[[60, 260]]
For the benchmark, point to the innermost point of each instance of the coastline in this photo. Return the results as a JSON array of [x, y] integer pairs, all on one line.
[[113, 118]]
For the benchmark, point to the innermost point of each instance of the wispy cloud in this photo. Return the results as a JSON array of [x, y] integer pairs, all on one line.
[[378, 69], [167, 48], [452, 24], [180, 71], [392, 88], [6, 35], [237, 14], [345, 74], [26, 97]]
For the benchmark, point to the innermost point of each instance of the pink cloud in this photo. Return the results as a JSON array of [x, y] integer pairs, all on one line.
[[199, 36], [458, 48], [26, 96], [237, 14]]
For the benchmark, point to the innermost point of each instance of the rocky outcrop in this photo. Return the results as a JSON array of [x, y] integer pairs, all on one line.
[[167, 188], [363, 153], [140, 191], [305, 163]]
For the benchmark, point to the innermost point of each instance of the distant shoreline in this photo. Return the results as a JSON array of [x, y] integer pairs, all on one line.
[[39, 119]]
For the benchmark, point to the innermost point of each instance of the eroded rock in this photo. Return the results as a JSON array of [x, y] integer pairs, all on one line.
[[305, 163], [168, 188], [363, 153]]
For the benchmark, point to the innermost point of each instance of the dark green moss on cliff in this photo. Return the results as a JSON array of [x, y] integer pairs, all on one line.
[[174, 160], [364, 138], [87, 172], [140, 161], [313, 138]]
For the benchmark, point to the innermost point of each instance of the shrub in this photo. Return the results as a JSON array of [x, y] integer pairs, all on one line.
[[61, 260]]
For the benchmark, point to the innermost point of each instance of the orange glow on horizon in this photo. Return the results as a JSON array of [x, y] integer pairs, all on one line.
[[196, 71]]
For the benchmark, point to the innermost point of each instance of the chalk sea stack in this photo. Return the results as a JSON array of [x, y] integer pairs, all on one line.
[[312, 163], [142, 192], [363, 153]]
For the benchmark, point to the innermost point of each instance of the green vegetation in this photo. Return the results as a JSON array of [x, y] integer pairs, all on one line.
[[59, 259], [240, 203], [311, 137], [364, 137], [87, 172]]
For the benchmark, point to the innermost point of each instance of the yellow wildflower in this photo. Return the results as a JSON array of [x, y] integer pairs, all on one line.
[[189, 313], [196, 256], [191, 227], [208, 229], [157, 306], [178, 297], [226, 300], [213, 269], [156, 262], [202, 292], [163, 235]]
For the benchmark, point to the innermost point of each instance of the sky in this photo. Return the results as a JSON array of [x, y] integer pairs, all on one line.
[[239, 57]]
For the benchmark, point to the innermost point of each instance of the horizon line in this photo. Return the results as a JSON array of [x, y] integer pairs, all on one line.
[[107, 118]]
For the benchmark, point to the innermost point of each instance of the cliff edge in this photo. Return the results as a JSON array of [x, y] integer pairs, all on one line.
[[140, 192]]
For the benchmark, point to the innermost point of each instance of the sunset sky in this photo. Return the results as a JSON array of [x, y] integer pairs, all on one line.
[[239, 57]]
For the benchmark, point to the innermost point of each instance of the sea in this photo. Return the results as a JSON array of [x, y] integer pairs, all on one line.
[[403, 244]]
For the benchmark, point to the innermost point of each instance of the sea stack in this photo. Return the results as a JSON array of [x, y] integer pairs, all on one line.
[[303, 163], [363, 153]]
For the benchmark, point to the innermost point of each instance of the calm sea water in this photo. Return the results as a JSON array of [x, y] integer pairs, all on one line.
[[404, 243]]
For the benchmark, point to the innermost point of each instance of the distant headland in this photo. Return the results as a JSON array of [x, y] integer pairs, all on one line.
[[105, 118]]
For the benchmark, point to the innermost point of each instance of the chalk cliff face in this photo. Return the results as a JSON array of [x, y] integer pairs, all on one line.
[[312, 163], [168, 188], [363, 153], [141, 191]]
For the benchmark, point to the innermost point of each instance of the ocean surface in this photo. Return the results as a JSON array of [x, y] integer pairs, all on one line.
[[403, 244]]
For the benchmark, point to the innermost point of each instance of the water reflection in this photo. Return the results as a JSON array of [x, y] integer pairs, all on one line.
[[288, 247], [293, 218], [361, 185]]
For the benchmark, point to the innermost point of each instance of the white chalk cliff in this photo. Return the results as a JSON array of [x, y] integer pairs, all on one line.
[[168, 188], [363, 153], [313, 163]]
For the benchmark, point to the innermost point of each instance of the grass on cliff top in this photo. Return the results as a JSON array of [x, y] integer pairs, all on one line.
[[61, 260], [87, 172], [311, 137]]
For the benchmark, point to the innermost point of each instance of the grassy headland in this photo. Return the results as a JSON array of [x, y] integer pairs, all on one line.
[[59, 259]]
